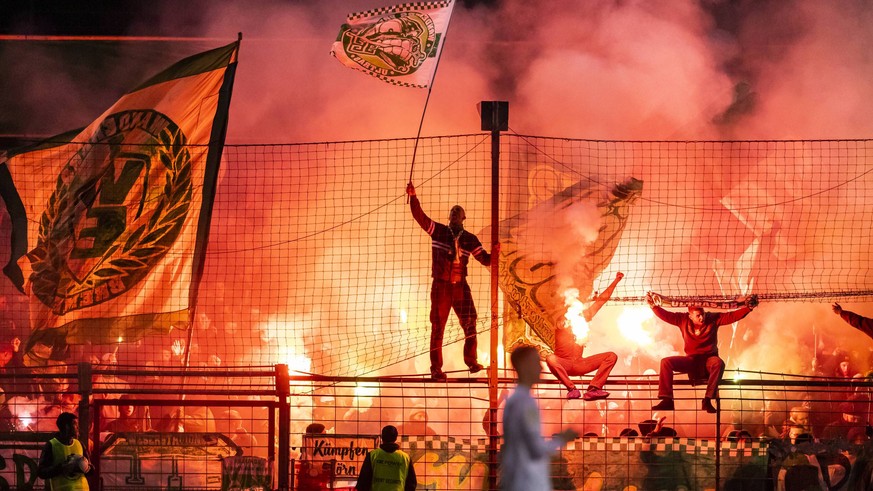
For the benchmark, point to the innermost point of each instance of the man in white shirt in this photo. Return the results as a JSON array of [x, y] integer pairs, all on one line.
[[526, 455]]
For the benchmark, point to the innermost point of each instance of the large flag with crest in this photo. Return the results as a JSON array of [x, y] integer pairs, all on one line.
[[110, 223], [400, 45], [535, 271]]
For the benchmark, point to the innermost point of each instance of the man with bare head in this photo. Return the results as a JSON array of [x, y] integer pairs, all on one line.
[[700, 333], [452, 247]]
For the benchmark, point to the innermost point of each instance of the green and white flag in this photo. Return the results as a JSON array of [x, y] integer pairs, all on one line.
[[110, 223], [400, 45]]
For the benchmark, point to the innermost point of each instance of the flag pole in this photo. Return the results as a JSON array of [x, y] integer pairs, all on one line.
[[429, 90]]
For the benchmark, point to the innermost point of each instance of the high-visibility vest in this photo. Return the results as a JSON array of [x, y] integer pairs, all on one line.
[[389, 469], [77, 481]]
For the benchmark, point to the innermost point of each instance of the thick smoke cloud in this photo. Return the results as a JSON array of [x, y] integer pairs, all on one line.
[[615, 70]]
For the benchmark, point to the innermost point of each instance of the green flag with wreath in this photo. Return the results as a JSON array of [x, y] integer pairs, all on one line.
[[110, 222]]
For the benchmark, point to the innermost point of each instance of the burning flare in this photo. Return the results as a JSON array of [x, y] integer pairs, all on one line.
[[630, 325], [574, 318]]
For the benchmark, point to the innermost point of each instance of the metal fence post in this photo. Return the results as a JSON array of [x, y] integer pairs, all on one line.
[[283, 392]]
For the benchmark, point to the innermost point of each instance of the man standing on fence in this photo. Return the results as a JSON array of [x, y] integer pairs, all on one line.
[[452, 247], [526, 456], [387, 468], [567, 359], [64, 460], [700, 333]]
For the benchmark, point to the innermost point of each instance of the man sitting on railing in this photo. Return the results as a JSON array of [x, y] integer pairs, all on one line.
[[568, 360], [700, 333]]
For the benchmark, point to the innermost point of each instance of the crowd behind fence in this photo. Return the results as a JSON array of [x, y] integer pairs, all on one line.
[[261, 428]]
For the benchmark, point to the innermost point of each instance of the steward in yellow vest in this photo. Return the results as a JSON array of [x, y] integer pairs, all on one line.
[[387, 468], [64, 460]]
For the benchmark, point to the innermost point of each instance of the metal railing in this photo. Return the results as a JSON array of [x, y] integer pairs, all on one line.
[[200, 428]]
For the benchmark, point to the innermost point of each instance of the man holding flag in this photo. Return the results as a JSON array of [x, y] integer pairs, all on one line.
[[452, 247]]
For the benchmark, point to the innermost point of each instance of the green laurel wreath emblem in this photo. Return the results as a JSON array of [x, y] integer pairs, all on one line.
[[157, 221]]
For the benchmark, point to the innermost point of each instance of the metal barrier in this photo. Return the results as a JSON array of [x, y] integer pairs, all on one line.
[[249, 428]]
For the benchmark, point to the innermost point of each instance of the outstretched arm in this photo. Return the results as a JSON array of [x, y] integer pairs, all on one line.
[[726, 318], [859, 322], [674, 318], [600, 300]]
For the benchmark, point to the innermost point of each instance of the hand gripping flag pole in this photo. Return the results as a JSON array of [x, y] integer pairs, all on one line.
[[400, 45]]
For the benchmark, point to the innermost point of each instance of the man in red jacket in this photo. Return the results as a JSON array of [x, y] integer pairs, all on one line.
[[452, 247], [700, 333]]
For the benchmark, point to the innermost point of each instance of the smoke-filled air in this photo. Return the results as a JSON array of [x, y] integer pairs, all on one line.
[[316, 261]]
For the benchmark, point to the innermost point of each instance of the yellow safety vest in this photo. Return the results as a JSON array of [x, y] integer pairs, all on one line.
[[389, 469], [77, 482]]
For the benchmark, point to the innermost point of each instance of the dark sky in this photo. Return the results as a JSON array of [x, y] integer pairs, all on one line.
[[88, 18], [86, 63], [114, 17], [36, 107]]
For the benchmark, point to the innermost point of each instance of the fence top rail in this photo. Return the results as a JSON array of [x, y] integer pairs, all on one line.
[[270, 375]]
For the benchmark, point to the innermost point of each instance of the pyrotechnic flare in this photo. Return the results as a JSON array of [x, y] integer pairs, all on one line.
[[567, 360]]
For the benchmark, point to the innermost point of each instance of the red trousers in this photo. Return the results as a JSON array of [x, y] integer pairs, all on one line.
[[444, 297], [698, 368], [562, 368]]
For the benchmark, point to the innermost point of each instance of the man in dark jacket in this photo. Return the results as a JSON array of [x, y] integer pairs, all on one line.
[[700, 333], [859, 322], [452, 247], [387, 468]]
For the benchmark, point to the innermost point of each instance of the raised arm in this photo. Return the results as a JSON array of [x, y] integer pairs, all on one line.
[[423, 220], [600, 300], [859, 322], [674, 318], [726, 318]]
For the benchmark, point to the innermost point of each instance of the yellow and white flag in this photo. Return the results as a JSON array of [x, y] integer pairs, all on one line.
[[531, 268], [110, 223]]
